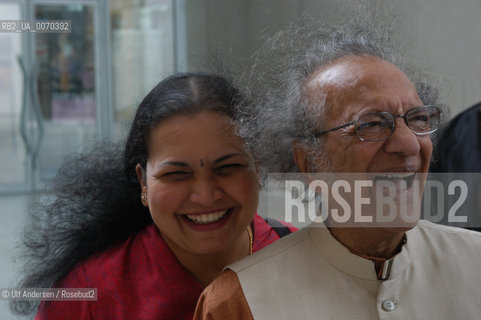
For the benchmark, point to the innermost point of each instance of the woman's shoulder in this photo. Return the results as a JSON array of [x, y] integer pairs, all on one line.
[[134, 253], [140, 274], [120, 261]]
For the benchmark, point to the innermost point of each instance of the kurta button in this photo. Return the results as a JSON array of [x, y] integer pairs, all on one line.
[[389, 305]]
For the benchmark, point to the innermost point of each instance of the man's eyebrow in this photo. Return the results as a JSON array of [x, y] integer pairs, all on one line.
[[228, 156]]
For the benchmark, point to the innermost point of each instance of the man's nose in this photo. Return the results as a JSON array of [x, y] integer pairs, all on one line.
[[205, 191], [402, 141]]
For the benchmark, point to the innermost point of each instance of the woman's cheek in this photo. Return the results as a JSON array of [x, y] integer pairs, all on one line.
[[247, 186], [164, 199]]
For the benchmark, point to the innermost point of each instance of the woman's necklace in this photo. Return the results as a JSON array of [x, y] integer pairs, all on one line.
[[251, 240]]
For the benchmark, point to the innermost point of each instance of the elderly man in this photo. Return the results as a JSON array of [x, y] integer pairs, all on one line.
[[347, 106]]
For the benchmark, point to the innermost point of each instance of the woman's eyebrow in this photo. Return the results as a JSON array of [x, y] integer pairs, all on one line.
[[228, 156], [172, 163], [183, 164]]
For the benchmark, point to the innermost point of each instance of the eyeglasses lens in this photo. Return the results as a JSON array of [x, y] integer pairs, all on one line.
[[423, 120], [375, 126], [379, 126]]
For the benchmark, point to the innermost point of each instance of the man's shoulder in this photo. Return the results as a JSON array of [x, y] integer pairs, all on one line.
[[442, 230], [223, 299], [280, 247], [449, 239]]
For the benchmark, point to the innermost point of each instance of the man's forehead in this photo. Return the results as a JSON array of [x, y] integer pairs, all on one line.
[[353, 78], [328, 79], [347, 70], [332, 74]]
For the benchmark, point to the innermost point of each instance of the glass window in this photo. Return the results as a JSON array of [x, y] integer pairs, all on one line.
[[142, 53], [12, 150]]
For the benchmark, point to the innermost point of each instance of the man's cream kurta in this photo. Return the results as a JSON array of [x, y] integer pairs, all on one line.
[[309, 275]]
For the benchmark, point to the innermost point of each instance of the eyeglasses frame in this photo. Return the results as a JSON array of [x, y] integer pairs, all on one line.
[[404, 116]]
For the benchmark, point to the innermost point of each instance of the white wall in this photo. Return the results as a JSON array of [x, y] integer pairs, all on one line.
[[450, 36]]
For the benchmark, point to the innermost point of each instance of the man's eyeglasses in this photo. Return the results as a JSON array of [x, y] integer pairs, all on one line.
[[378, 126]]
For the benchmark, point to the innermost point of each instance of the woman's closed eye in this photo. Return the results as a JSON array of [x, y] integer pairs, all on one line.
[[229, 168], [177, 175]]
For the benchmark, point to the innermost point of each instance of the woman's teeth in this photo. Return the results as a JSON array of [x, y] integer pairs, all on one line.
[[206, 218]]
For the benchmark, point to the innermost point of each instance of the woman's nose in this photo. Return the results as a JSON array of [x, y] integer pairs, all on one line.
[[205, 191]]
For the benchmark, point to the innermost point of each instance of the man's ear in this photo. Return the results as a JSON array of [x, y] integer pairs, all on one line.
[[301, 157]]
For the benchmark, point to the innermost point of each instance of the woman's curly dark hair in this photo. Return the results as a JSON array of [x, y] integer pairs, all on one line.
[[94, 201]]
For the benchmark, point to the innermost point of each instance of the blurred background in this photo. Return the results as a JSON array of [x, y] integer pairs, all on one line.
[[59, 92]]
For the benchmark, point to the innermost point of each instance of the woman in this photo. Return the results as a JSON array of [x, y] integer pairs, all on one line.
[[150, 233]]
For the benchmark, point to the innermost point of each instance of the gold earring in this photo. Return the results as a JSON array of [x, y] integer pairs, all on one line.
[[143, 197]]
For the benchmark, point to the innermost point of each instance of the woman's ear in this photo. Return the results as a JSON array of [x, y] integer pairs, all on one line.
[[142, 180], [140, 175]]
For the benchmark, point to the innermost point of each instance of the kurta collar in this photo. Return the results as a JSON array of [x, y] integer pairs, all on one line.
[[341, 258]]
